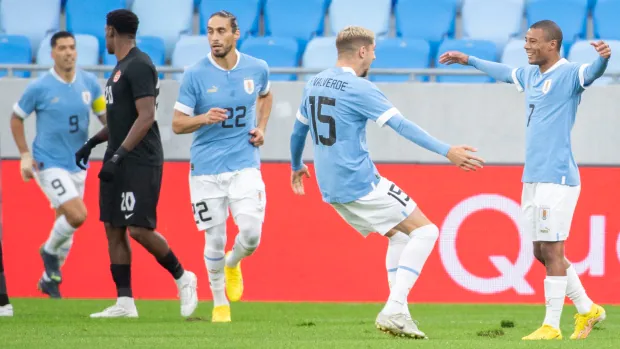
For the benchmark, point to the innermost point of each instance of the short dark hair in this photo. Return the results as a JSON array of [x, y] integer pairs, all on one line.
[[230, 16], [123, 21], [60, 35], [551, 29]]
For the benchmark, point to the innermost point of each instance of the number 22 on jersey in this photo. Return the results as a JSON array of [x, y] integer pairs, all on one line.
[[316, 113]]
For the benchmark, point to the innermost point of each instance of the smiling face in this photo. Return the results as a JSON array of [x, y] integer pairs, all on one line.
[[541, 46]]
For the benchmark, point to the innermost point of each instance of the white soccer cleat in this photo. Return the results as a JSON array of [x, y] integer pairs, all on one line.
[[400, 325], [6, 310], [188, 295], [120, 309]]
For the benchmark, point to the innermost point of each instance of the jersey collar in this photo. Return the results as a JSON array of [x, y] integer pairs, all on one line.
[[218, 66], [562, 61], [54, 74], [349, 70]]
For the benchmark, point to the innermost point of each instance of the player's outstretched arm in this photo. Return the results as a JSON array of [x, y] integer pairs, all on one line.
[[498, 71], [27, 164], [183, 123], [458, 155], [597, 68], [299, 170]]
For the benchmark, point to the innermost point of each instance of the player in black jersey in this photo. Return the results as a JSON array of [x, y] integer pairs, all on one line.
[[130, 179], [6, 309]]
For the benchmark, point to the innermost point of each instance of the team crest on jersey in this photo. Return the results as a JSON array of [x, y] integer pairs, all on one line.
[[248, 86], [117, 76], [546, 86], [86, 97]]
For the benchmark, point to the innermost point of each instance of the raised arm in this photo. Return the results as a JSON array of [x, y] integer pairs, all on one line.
[[498, 71], [596, 69]]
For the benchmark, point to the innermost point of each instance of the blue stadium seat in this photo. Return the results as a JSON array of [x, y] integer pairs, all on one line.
[[18, 18], [371, 14], [189, 50], [88, 17], [277, 52], [165, 19], [428, 20], [320, 53], [583, 52], [492, 20], [296, 19], [401, 53], [592, 4], [605, 18], [87, 50], [15, 49], [570, 15], [479, 48], [246, 11]]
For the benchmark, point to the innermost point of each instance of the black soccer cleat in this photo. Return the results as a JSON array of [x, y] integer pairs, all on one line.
[[51, 265], [50, 288]]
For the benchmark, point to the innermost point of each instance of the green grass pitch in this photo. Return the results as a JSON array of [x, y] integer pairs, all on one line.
[[43, 323]]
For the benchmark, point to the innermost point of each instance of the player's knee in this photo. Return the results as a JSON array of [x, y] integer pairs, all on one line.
[[250, 230], [215, 239], [75, 213], [427, 232], [139, 234]]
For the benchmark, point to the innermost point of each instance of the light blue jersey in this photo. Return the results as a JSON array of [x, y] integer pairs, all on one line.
[[336, 105], [551, 105], [63, 115], [224, 147]]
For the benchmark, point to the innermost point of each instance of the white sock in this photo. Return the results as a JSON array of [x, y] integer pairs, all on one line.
[[412, 259], [555, 291], [215, 241], [395, 248], [63, 250], [576, 292], [126, 302], [61, 232], [246, 241]]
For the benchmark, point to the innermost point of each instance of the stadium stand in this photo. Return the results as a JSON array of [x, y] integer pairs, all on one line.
[[189, 50], [605, 19], [401, 53], [88, 17], [300, 20], [374, 15], [246, 11], [18, 18], [572, 18], [165, 19], [320, 54], [479, 48], [432, 21], [15, 49], [492, 20], [277, 52]]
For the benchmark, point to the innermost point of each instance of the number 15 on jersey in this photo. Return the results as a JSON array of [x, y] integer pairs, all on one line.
[[317, 113]]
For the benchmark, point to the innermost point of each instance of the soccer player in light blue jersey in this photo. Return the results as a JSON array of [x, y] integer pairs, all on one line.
[[336, 106], [551, 185], [62, 101], [224, 100]]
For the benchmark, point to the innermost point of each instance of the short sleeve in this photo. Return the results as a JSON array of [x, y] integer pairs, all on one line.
[[186, 102], [302, 114], [266, 85], [28, 101], [518, 78], [98, 105], [142, 79], [580, 81], [371, 103]]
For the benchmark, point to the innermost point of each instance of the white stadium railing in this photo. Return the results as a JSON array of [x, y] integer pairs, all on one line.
[[167, 70]]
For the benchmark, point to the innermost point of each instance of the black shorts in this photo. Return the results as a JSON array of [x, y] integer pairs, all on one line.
[[131, 198]]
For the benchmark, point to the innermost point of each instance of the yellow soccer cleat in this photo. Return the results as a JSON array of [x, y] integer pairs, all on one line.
[[585, 323], [221, 314], [545, 332], [234, 281]]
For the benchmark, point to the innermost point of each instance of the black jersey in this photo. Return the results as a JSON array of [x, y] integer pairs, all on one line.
[[134, 77]]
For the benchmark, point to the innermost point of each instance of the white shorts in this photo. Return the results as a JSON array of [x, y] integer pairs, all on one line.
[[243, 191], [379, 211], [60, 185], [548, 210]]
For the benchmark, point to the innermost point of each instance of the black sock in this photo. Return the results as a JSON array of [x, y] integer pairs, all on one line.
[[171, 263], [4, 298], [121, 273]]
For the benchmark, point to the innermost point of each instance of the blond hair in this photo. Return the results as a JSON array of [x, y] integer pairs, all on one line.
[[351, 38]]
